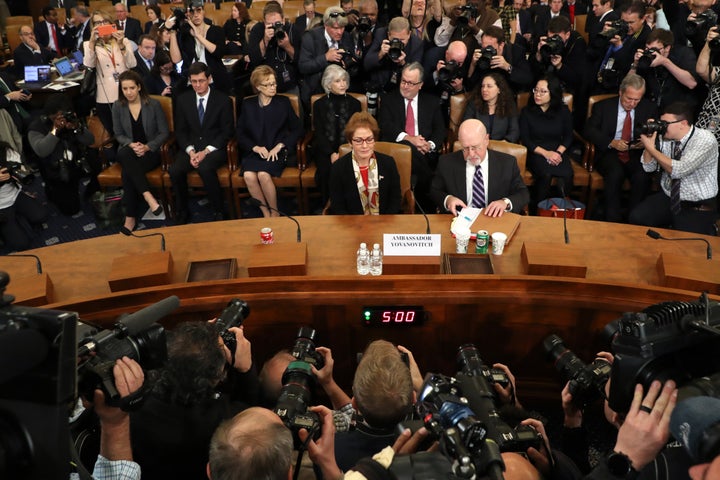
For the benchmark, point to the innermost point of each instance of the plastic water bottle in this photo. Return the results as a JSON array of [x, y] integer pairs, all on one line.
[[376, 260], [363, 260]]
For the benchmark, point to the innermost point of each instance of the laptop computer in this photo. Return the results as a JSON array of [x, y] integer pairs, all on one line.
[[66, 70], [78, 57], [36, 76]]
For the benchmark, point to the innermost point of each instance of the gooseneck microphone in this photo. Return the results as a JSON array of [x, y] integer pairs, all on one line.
[[37, 259], [413, 184], [561, 185], [126, 231], [656, 235], [258, 203]]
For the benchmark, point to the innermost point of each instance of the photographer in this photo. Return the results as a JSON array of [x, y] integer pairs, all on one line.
[[449, 75], [392, 49], [276, 43], [710, 73], [507, 59], [200, 385], [467, 22], [61, 140], [627, 37], [688, 157], [691, 21], [563, 52], [668, 69], [16, 206]]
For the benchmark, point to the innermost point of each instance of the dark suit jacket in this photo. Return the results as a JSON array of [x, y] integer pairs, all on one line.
[[73, 42], [593, 26], [601, 126], [380, 71], [217, 127], [344, 196], [133, 29], [221, 77], [503, 128], [43, 36], [391, 118], [153, 121], [312, 61], [542, 20], [301, 23], [24, 56], [504, 180], [624, 56], [250, 128], [141, 66]]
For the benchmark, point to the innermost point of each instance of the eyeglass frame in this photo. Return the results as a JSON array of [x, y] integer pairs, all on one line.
[[361, 141]]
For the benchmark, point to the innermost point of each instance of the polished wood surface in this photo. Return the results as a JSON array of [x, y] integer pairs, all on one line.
[[507, 314]]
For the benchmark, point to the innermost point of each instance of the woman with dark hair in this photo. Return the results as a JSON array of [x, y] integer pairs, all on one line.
[[330, 115], [16, 205], [493, 104], [235, 29], [140, 130], [163, 79], [268, 132], [546, 130], [154, 15], [364, 182]]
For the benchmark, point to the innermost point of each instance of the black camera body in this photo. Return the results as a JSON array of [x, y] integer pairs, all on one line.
[[18, 171], [180, 19], [701, 24], [486, 56], [451, 71], [586, 382], [396, 49], [233, 315], [280, 32], [364, 25], [647, 58], [654, 126], [554, 45], [469, 361], [618, 27], [466, 13], [669, 340]]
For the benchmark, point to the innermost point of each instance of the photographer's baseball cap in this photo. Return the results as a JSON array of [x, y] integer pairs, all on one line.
[[196, 4]]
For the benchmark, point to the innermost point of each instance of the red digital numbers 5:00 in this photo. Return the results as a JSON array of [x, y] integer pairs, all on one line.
[[398, 316]]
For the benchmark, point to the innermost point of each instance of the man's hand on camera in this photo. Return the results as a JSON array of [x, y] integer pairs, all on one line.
[[322, 451], [324, 375], [408, 442], [243, 351], [541, 459], [509, 393], [415, 375], [573, 414], [4, 175], [129, 377]]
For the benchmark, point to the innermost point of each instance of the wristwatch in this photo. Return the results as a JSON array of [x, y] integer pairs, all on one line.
[[620, 466]]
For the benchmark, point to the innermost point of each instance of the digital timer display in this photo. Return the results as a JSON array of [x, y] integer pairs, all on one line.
[[394, 316]]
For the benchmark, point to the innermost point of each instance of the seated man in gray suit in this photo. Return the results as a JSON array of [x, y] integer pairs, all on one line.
[[478, 177]]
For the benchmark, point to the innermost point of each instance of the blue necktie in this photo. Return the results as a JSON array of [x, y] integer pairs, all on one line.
[[478, 191], [201, 111]]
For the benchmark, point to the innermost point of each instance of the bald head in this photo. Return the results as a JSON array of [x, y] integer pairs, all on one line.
[[456, 51], [474, 139]]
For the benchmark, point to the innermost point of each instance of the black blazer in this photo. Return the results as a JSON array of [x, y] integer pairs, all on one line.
[[503, 128], [133, 29], [217, 127], [380, 71], [153, 121], [301, 23], [601, 126], [344, 196], [312, 61], [24, 56], [504, 180], [391, 118], [325, 141], [250, 129], [221, 77], [43, 36]]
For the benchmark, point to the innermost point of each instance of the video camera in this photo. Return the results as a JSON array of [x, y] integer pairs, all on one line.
[[467, 12], [586, 382], [618, 27], [669, 340], [296, 396], [45, 355], [232, 316]]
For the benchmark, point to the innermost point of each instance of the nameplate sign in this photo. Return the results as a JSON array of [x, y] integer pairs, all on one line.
[[411, 245]]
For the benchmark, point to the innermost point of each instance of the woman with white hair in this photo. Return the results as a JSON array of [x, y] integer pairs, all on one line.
[[330, 115]]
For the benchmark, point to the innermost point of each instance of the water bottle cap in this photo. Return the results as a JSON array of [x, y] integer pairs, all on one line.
[[376, 246], [363, 245]]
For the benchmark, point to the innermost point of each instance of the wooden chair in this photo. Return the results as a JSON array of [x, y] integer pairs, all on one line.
[[402, 154], [218, 17], [580, 21], [20, 20], [139, 13], [289, 181], [13, 36], [308, 169], [194, 181], [457, 110], [111, 176], [226, 7]]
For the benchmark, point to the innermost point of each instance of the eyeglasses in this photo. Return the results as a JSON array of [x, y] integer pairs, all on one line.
[[408, 83], [538, 91], [360, 141], [473, 148], [337, 14], [268, 85], [102, 22]]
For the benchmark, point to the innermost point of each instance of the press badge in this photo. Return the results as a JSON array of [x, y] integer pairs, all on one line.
[[116, 77]]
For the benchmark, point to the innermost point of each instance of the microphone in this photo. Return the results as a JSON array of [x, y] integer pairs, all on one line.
[[37, 259], [258, 203], [695, 422], [561, 185], [131, 325], [127, 232], [656, 235], [413, 184]]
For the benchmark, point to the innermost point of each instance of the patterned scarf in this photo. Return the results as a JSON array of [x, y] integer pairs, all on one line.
[[369, 196]]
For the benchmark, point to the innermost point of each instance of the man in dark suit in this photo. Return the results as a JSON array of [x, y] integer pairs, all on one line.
[[478, 177], [203, 126], [81, 29], [602, 11], [323, 46], [509, 61], [29, 52], [617, 151], [545, 15], [525, 25], [145, 54], [131, 26], [49, 34], [302, 22], [415, 119], [384, 66]]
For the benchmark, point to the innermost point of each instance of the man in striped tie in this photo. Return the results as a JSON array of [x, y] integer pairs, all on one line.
[[478, 177]]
